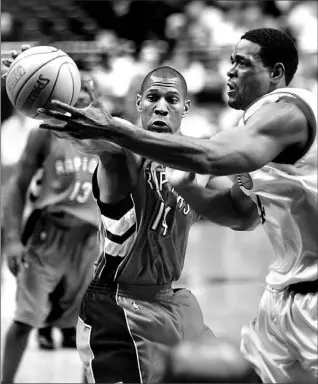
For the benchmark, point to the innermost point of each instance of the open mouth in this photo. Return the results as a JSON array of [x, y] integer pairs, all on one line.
[[159, 126], [231, 88]]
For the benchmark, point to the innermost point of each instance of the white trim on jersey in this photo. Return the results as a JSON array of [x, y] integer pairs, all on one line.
[[119, 234], [119, 227], [130, 333], [83, 336]]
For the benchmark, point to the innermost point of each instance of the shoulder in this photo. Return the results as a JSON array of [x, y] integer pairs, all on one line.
[[279, 114], [288, 100], [38, 143]]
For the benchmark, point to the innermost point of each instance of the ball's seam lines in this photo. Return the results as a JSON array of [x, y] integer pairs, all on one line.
[[57, 76], [18, 59], [73, 83], [26, 80]]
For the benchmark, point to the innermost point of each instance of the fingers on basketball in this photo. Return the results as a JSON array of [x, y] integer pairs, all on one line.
[[95, 102], [66, 110], [24, 47]]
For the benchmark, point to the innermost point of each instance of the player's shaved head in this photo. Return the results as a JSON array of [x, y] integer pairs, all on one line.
[[165, 73]]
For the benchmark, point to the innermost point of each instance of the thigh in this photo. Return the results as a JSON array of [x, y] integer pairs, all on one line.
[[158, 325], [263, 344], [35, 282], [40, 273], [154, 328], [78, 273], [76, 278], [104, 341], [299, 326], [188, 310]]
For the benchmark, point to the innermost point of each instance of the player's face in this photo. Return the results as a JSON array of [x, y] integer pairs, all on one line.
[[248, 78], [162, 105]]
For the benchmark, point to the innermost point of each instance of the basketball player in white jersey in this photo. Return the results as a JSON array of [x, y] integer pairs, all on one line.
[[273, 152]]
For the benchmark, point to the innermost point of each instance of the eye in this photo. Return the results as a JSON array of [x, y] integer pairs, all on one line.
[[242, 63], [151, 97], [173, 100]]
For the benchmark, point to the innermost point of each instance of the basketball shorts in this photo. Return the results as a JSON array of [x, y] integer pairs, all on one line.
[[56, 270], [124, 337], [282, 342]]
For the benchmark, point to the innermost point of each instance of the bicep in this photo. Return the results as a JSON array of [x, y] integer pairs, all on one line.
[[117, 178], [272, 129]]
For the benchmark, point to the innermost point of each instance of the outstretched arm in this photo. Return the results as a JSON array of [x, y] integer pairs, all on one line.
[[272, 129], [266, 134]]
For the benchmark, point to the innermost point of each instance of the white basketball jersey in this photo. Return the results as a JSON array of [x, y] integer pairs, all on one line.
[[286, 196]]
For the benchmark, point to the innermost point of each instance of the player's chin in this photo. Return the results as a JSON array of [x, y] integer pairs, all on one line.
[[232, 103]]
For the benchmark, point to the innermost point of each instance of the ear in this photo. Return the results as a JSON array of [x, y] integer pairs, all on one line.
[[186, 108], [138, 102], [278, 72]]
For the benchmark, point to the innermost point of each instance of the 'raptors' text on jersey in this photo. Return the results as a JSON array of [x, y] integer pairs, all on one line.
[[145, 236], [64, 183]]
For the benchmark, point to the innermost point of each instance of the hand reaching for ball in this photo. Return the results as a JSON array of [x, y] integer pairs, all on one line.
[[14, 55], [84, 127]]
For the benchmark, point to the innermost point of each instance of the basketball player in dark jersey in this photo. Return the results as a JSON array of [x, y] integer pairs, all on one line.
[[52, 244], [130, 316]]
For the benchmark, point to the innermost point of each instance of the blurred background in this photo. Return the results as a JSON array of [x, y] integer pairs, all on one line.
[[117, 42]]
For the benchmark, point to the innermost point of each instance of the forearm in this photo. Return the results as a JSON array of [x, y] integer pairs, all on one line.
[[217, 156], [222, 206], [163, 148]]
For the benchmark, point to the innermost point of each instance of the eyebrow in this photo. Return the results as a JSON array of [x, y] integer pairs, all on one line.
[[238, 56], [154, 90]]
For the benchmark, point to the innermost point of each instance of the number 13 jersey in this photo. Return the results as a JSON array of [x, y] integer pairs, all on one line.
[[64, 183]]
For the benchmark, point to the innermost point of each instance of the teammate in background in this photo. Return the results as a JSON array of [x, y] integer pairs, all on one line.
[[130, 316], [274, 154], [52, 247], [45, 335]]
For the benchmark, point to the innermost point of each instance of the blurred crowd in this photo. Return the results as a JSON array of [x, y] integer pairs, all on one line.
[[116, 42]]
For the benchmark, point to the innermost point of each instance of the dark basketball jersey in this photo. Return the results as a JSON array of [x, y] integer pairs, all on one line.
[[64, 183], [144, 237]]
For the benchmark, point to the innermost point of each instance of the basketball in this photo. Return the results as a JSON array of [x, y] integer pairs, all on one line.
[[40, 75]]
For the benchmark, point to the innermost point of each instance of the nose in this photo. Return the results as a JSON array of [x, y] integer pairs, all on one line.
[[161, 108], [231, 72]]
